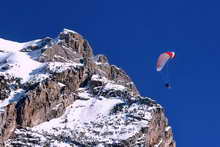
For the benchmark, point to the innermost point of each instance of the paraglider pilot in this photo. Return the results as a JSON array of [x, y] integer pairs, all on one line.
[[167, 85]]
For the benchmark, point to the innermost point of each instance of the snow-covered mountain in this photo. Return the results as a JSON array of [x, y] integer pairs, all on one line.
[[56, 92]]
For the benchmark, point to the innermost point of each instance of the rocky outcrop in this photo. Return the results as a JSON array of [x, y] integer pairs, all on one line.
[[76, 42], [159, 133], [8, 122], [7, 84], [70, 47], [39, 44], [44, 102], [72, 73], [4, 88]]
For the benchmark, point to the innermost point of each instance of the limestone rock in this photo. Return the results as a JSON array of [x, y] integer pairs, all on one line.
[[74, 98]]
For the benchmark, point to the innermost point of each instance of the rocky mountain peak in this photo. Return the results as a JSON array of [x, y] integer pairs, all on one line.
[[56, 92], [69, 46]]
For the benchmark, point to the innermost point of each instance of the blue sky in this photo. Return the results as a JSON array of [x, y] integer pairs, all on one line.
[[132, 34]]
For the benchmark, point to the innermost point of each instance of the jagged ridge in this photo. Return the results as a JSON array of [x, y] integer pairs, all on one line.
[[69, 96]]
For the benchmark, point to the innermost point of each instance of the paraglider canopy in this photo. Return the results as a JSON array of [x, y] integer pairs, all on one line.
[[163, 58]]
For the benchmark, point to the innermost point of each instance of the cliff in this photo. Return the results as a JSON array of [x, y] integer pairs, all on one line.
[[56, 92]]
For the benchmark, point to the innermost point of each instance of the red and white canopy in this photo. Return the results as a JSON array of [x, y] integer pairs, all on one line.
[[163, 58]]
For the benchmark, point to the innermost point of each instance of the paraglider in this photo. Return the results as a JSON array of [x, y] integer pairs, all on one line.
[[161, 63]]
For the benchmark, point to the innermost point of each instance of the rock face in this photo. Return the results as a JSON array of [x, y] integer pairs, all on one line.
[[74, 98]]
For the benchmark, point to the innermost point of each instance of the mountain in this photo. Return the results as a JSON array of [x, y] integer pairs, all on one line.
[[56, 92]]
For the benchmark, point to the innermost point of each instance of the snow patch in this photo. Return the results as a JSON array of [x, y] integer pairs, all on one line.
[[58, 67], [66, 31], [20, 65], [15, 96], [93, 119], [160, 142], [61, 84], [167, 128], [10, 46], [97, 77], [110, 86], [60, 144]]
